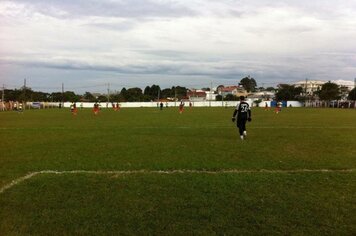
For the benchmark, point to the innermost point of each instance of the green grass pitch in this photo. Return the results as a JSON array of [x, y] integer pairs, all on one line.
[[294, 174]]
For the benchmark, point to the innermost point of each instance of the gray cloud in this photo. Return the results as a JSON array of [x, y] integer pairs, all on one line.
[[275, 68], [153, 8], [117, 26], [124, 9], [271, 40]]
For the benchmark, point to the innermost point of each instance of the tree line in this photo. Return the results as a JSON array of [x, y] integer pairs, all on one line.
[[328, 92], [285, 92], [150, 93]]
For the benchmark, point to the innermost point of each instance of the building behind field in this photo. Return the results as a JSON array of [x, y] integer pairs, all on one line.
[[310, 87]]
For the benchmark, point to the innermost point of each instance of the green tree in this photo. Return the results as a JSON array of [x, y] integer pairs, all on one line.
[[102, 98], [25, 94], [40, 97], [219, 98], [231, 97], [288, 92], [155, 91], [167, 92], [152, 93], [147, 90], [55, 97], [115, 97], [134, 95], [249, 84], [12, 95], [329, 91], [89, 97], [123, 94], [70, 96], [180, 92], [352, 94]]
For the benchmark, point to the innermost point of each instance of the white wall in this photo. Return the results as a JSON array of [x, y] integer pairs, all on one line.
[[289, 103], [294, 104], [263, 104], [154, 104], [170, 104]]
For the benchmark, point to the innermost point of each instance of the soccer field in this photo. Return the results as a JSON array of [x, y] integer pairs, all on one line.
[[146, 171]]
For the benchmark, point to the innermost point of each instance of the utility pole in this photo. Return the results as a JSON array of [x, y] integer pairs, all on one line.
[[175, 96], [306, 85], [211, 90], [222, 100], [3, 93], [2, 98], [108, 92], [355, 93], [62, 95], [24, 94]]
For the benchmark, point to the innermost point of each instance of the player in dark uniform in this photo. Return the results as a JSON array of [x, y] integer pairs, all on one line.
[[243, 113]]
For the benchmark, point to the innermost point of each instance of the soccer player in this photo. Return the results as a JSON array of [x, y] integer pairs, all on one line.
[[113, 105], [73, 108], [243, 113], [181, 107], [96, 108], [266, 106], [278, 107], [20, 110]]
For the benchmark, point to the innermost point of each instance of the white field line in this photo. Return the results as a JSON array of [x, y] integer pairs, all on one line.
[[182, 171], [18, 181], [194, 127], [251, 127]]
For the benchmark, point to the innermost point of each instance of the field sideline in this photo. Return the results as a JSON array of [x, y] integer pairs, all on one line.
[[146, 171]]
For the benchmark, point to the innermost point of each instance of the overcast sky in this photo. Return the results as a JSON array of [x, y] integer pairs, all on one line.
[[87, 44]]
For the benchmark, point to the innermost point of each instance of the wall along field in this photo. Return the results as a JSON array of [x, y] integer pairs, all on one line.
[[295, 172]]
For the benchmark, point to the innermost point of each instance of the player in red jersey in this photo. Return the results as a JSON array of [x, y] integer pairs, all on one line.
[[73, 109], [181, 107], [96, 108], [278, 107]]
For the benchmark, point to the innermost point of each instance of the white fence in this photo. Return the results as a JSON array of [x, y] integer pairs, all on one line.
[[289, 104], [176, 104], [44, 105], [155, 104]]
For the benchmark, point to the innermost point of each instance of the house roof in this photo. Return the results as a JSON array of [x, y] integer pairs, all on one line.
[[228, 89], [196, 94]]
